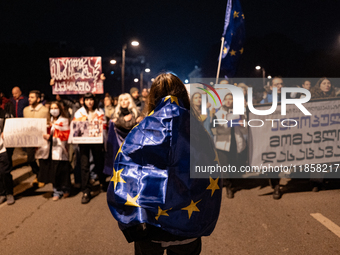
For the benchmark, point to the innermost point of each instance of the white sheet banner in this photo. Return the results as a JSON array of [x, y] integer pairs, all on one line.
[[25, 132], [296, 139]]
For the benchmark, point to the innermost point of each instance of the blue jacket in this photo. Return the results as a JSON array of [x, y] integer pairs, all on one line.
[[19, 105]]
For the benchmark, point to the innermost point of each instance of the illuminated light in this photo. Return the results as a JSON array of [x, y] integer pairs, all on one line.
[[112, 62], [258, 67], [136, 80], [134, 43], [147, 70], [269, 77]]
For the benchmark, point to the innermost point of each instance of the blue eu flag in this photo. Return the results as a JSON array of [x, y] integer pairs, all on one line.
[[151, 182], [234, 37]]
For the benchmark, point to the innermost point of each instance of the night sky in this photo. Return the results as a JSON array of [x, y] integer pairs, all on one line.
[[172, 34]]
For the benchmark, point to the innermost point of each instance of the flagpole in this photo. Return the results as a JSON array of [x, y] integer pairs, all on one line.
[[219, 61]]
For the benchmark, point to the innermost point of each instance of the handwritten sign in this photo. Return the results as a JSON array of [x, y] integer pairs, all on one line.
[[86, 132], [76, 75], [25, 132]]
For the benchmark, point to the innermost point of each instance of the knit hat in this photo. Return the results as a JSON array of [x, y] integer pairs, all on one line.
[[133, 89]]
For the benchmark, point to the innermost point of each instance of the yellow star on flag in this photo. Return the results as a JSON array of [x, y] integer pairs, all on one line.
[[243, 16], [192, 208], [151, 113], [233, 53], [236, 14], [173, 99], [213, 185], [132, 201], [120, 150], [241, 51], [225, 50], [161, 213], [116, 177]]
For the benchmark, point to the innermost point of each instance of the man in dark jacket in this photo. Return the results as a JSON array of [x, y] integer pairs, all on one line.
[[19, 101]]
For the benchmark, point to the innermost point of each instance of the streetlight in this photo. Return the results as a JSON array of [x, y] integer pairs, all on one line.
[[113, 62], [135, 79], [147, 70], [263, 74], [133, 43], [269, 77]]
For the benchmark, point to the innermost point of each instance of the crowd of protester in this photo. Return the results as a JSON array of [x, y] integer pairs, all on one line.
[[60, 157], [55, 162]]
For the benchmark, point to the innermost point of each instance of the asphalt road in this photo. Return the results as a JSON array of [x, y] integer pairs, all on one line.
[[251, 223]]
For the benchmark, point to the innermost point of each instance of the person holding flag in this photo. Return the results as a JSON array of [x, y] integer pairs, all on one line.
[[56, 167], [151, 195]]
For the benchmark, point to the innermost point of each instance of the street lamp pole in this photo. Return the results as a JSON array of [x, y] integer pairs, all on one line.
[[123, 66], [141, 81], [264, 77], [263, 74]]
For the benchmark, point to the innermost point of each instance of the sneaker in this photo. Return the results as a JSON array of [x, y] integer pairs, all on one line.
[[55, 198], [10, 199], [41, 184], [2, 199], [277, 192], [230, 193], [86, 198]]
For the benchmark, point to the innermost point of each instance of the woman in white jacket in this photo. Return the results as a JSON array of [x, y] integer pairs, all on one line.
[[56, 168]]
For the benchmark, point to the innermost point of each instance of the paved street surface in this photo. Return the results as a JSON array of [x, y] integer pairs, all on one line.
[[251, 223]]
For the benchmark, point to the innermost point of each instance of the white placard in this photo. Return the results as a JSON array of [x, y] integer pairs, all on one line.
[[25, 132]]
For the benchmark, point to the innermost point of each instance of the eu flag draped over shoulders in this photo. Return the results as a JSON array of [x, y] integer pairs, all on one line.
[[234, 37], [151, 184]]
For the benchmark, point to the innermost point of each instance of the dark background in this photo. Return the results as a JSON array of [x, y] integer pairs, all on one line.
[[287, 38]]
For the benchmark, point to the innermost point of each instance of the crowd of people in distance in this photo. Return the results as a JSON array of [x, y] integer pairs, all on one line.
[[55, 162]]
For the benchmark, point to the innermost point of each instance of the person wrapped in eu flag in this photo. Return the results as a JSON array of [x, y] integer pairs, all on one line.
[[151, 194]]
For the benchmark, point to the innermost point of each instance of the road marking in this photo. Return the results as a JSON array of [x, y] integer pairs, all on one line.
[[327, 223]]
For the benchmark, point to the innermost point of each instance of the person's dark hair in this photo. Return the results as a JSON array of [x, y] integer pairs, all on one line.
[[316, 91], [90, 95], [166, 84], [36, 92], [63, 113]]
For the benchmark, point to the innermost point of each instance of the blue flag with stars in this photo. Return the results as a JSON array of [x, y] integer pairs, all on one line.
[[151, 180], [234, 37]]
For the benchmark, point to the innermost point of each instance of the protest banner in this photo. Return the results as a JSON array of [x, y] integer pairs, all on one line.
[[76, 75], [86, 132], [25, 132], [296, 139]]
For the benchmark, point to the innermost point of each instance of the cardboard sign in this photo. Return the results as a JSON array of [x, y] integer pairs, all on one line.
[[76, 75]]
